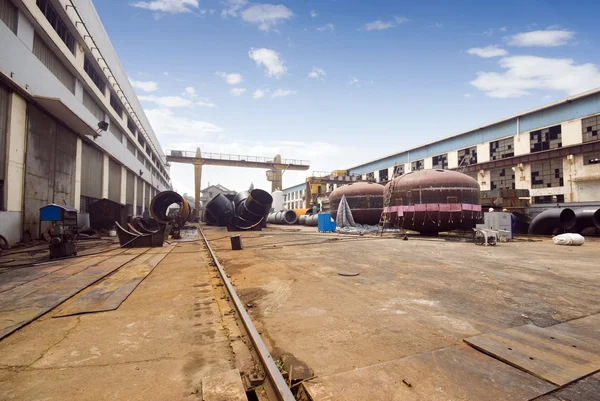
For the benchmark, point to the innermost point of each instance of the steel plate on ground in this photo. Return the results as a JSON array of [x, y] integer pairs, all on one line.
[[24, 303], [544, 353], [111, 292], [455, 373], [586, 329]]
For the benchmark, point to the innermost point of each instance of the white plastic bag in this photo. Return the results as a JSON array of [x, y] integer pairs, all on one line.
[[568, 239]]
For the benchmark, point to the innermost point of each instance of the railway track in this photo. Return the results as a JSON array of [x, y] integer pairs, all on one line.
[[275, 385]]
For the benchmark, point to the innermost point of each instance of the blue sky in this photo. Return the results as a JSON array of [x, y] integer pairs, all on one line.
[[342, 82]]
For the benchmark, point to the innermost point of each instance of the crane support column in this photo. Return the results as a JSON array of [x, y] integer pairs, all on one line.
[[197, 183]]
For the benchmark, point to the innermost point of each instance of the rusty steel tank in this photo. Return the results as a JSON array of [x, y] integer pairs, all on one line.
[[364, 198], [433, 201]]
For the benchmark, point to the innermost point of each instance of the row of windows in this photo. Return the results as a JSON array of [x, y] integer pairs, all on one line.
[[57, 24]]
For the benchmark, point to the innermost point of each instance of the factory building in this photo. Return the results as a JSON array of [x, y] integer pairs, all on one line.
[[553, 152], [71, 127]]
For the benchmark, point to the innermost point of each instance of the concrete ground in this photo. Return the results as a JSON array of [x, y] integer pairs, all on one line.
[[410, 297], [158, 345]]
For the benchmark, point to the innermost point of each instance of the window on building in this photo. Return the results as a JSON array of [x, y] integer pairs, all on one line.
[[43, 52], [140, 157], [467, 156], [441, 161], [370, 176], [89, 68], [502, 178], [131, 125], [549, 199], [116, 105], [141, 140], [131, 146], [93, 107], [545, 139], [57, 24], [417, 165], [590, 127], [9, 15], [547, 174], [116, 131], [398, 170], [591, 158], [383, 175], [502, 148], [148, 149]]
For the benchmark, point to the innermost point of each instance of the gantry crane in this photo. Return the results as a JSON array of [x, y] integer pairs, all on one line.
[[275, 166]]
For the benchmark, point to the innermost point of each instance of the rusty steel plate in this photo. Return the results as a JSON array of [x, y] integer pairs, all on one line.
[[544, 353], [454, 373], [111, 292]]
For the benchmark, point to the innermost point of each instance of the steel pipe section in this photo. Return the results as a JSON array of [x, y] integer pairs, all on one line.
[[312, 220], [160, 206], [288, 217], [244, 212], [550, 220], [586, 217]]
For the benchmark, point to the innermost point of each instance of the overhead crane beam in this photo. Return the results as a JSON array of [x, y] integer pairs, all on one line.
[[275, 166]]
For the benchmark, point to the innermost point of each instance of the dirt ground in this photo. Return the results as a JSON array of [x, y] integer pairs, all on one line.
[[158, 345], [410, 297]]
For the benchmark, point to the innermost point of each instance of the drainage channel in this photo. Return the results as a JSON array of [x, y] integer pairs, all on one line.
[[275, 384]]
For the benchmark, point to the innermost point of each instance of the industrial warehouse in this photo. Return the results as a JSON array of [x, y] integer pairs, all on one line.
[[461, 269]]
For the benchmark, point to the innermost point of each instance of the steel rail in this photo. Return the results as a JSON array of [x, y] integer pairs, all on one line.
[[276, 381]]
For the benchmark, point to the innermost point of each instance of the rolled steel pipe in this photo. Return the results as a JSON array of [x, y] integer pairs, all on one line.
[[586, 217], [550, 220], [259, 202], [160, 205], [312, 220], [283, 217], [219, 211]]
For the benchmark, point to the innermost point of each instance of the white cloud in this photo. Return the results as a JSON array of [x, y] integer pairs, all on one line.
[[259, 93], [146, 86], [167, 101], [231, 79], [283, 93], [549, 38], [190, 90], [237, 91], [526, 73], [232, 7], [314, 14], [488, 51], [380, 25], [266, 15], [168, 6], [354, 81], [274, 66], [467, 95], [166, 124], [316, 73], [503, 29], [205, 103], [327, 27]]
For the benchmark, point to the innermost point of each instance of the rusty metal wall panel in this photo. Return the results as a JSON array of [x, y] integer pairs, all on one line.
[[49, 166], [64, 162], [147, 203], [114, 181], [92, 163], [130, 189], [140, 194], [4, 95]]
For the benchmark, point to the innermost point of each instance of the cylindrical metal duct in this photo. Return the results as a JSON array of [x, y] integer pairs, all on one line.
[[302, 220], [586, 217], [282, 217], [550, 220], [311, 220], [160, 205], [219, 211]]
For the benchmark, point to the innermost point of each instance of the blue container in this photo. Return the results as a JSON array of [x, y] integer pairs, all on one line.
[[326, 223]]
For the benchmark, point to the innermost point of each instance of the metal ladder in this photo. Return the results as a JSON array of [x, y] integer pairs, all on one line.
[[386, 203]]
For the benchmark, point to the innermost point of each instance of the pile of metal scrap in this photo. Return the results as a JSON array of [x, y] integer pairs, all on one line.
[[247, 210]]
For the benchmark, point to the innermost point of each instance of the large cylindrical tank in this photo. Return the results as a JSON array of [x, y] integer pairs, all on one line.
[[277, 200], [364, 198], [432, 201]]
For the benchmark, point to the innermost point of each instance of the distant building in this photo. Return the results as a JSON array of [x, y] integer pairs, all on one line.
[[211, 191]]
